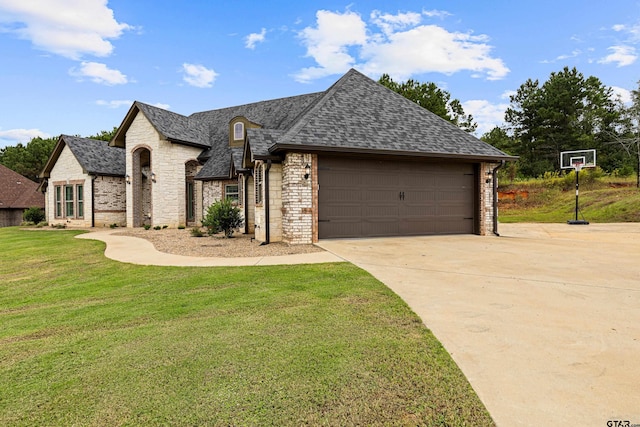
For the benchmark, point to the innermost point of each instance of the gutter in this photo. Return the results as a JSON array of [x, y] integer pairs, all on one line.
[[266, 203], [495, 197], [93, 201], [246, 204]]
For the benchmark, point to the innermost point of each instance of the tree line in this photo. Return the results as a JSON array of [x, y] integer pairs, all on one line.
[[29, 159]]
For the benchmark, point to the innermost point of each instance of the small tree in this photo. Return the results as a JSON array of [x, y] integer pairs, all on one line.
[[34, 214], [222, 216]]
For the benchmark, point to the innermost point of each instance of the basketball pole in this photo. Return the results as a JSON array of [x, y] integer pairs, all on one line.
[[576, 221]]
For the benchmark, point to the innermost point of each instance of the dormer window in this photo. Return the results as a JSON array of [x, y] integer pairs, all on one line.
[[238, 131]]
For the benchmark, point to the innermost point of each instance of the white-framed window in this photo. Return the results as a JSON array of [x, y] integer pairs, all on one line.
[[80, 201], [58, 201], [68, 201], [231, 192], [238, 131], [258, 183]]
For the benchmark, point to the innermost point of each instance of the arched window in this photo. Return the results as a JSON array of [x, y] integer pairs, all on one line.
[[238, 131]]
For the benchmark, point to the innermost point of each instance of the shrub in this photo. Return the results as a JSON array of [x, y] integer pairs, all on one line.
[[157, 227], [181, 227], [146, 226], [34, 215], [196, 232], [222, 216]]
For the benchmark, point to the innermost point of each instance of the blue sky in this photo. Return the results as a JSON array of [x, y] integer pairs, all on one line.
[[75, 66]]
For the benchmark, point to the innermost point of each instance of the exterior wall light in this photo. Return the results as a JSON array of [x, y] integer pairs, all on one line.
[[307, 171], [127, 178], [153, 176]]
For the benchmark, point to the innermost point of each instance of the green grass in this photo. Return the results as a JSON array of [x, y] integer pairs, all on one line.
[[89, 341], [602, 200]]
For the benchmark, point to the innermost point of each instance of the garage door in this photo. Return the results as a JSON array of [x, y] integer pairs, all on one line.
[[368, 198]]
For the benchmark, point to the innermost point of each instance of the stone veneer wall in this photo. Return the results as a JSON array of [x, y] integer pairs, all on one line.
[[297, 199], [168, 163], [275, 206], [486, 198], [110, 201], [67, 170]]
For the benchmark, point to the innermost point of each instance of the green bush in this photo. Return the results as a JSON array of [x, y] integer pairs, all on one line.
[[222, 216], [196, 232], [34, 215]]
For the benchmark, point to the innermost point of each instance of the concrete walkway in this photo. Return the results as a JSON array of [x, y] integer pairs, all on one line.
[[543, 321], [135, 250]]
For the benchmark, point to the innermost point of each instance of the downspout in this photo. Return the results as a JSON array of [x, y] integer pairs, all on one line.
[[266, 203], [246, 203], [495, 197], [93, 201]]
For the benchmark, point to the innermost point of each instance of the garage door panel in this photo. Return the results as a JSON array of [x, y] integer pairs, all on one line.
[[360, 198]]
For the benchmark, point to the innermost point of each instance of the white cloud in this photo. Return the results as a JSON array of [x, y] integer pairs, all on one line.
[[114, 103], [15, 136], [70, 28], [632, 31], [198, 75], [254, 38], [390, 23], [486, 114], [161, 105], [621, 55], [327, 43], [99, 73], [436, 13], [624, 94], [402, 47]]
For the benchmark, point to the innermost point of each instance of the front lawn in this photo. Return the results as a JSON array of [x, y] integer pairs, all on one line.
[[89, 341]]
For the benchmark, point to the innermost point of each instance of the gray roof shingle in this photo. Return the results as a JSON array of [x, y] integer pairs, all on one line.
[[355, 114], [96, 157], [359, 113]]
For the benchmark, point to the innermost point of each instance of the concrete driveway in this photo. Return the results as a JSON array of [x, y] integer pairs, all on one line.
[[544, 321]]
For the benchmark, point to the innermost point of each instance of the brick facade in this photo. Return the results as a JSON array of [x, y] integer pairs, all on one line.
[[275, 206], [110, 201], [67, 171], [167, 190], [297, 200], [486, 198]]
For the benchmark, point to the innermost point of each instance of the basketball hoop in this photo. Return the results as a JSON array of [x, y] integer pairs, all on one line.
[[577, 166]]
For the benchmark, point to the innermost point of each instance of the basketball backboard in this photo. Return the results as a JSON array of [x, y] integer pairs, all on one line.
[[585, 159]]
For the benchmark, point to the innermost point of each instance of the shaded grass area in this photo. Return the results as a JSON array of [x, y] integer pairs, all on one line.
[[88, 341], [602, 201]]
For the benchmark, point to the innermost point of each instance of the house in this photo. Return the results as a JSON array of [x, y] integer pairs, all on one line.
[[84, 183], [356, 160], [17, 193]]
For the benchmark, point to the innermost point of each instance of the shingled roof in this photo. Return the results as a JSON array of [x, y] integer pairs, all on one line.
[[360, 115], [17, 191], [94, 156], [356, 115]]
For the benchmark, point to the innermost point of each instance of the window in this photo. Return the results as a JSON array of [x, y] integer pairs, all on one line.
[[258, 182], [58, 201], [68, 200], [191, 201], [238, 131], [241, 190], [80, 200], [231, 192]]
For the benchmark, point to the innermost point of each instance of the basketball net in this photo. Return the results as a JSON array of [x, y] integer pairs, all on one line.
[[578, 166]]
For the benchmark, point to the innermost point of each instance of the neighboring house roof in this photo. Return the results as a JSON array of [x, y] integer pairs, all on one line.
[[94, 156], [18, 192]]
